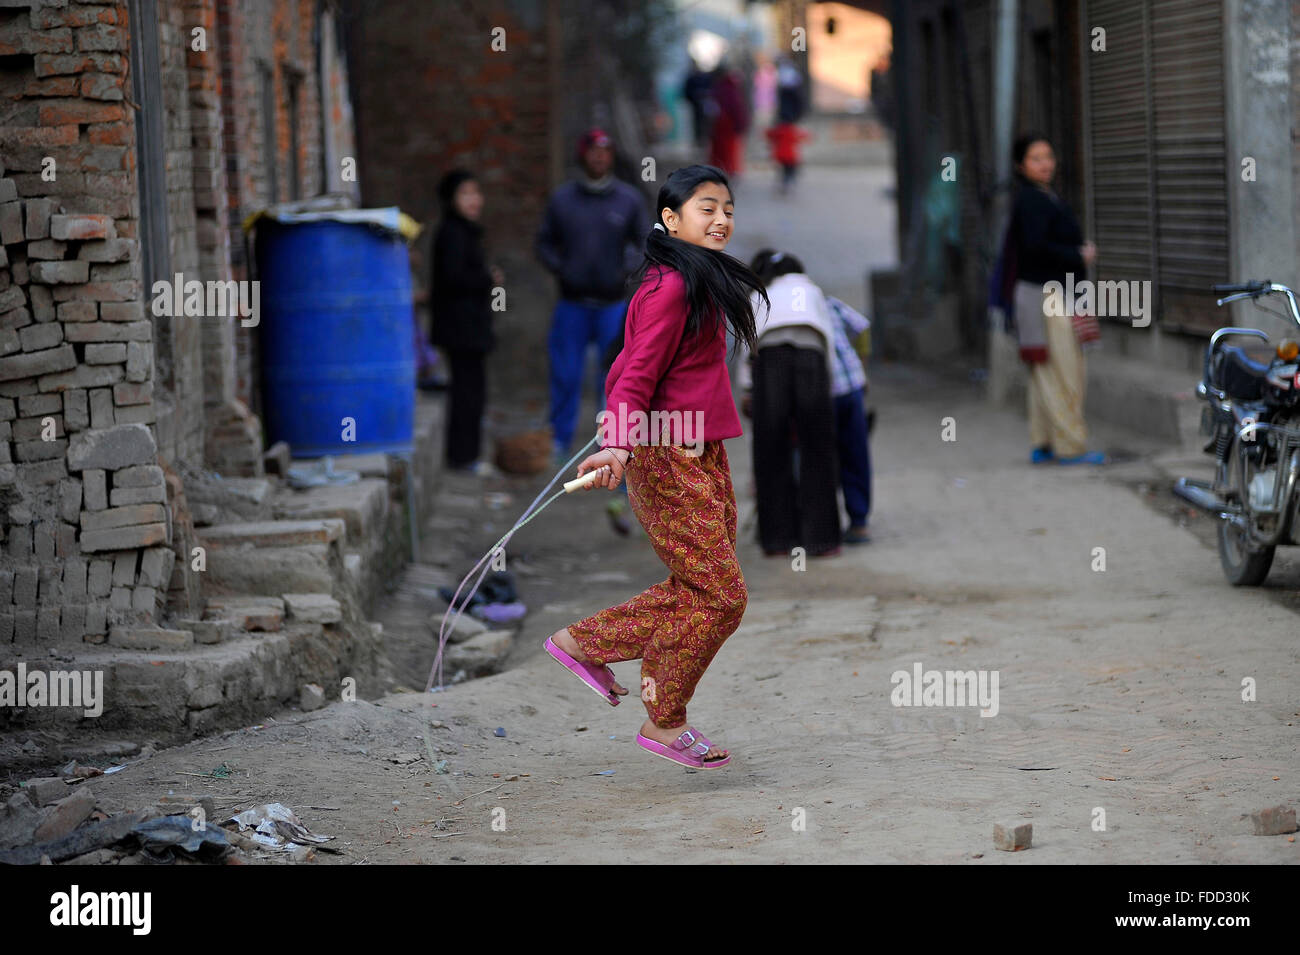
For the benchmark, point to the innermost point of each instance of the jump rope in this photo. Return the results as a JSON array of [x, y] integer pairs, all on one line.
[[448, 620]]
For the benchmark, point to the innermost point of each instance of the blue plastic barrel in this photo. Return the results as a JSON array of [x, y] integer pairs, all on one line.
[[336, 337]]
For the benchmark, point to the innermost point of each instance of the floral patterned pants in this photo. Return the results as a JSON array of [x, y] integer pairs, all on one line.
[[688, 509]]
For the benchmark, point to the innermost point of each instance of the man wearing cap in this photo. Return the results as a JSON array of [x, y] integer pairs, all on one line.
[[592, 237]]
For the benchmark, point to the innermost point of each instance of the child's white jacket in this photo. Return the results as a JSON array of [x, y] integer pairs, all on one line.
[[795, 301]]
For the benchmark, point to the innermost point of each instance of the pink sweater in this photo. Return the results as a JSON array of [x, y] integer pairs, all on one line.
[[684, 378]]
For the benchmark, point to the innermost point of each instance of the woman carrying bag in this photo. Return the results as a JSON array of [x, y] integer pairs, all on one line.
[[1045, 239]]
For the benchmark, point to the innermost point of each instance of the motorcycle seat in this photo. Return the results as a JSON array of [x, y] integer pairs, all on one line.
[[1238, 375]]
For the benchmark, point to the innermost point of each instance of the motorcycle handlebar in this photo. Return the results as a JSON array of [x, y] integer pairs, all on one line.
[[1249, 287]]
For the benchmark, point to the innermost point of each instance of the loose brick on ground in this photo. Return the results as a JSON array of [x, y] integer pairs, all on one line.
[[1013, 837], [1275, 821]]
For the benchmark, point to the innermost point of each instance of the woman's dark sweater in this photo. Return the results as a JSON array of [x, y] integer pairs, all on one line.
[[460, 295], [1047, 237]]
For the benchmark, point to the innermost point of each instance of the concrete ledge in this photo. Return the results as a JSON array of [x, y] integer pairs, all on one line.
[[274, 533], [176, 695], [1157, 402], [362, 506], [271, 571], [230, 677], [1136, 395]]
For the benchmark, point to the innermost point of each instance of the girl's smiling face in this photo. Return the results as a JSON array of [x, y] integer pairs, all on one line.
[[705, 218]]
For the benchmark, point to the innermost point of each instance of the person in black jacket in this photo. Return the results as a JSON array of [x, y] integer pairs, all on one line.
[[1048, 245], [591, 238], [460, 304]]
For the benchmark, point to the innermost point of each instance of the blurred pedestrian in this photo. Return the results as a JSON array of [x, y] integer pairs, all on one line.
[[730, 121], [460, 303], [764, 91], [1047, 243], [791, 401], [697, 92], [785, 138], [789, 92], [882, 91], [674, 361], [590, 239], [848, 392]]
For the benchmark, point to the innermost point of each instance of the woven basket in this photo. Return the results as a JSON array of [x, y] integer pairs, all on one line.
[[525, 453]]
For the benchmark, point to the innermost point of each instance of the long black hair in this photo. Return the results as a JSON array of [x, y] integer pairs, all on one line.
[[767, 264], [714, 280]]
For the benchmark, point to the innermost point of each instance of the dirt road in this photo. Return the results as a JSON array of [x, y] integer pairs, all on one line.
[[1119, 690]]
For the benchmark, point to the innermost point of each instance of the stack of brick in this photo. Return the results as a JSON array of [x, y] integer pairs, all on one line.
[[234, 440], [184, 590], [86, 525]]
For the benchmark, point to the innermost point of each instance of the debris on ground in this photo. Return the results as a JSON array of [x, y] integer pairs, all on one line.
[[50, 821], [275, 826]]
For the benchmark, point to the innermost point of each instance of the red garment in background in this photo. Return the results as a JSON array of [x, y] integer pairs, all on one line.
[[726, 147], [785, 139]]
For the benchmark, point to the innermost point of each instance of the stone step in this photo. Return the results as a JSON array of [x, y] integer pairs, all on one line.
[[270, 571], [362, 506], [264, 614], [183, 692], [274, 533]]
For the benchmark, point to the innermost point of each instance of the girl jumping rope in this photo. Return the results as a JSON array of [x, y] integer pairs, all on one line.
[[674, 360]]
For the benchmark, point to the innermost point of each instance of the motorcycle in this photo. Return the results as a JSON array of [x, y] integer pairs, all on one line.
[[1252, 420]]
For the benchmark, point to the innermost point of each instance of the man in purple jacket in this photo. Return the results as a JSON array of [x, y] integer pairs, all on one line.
[[592, 237]]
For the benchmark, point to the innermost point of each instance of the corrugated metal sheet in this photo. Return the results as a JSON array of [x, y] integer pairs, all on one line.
[[1158, 195], [1190, 148], [1119, 141]]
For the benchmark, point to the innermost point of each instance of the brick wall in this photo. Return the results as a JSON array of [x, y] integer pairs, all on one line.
[[431, 94], [407, 58], [102, 403], [83, 510], [211, 219], [265, 47], [177, 340]]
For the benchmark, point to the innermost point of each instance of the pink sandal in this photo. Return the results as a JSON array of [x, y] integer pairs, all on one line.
[[599, 678], [688, 749]]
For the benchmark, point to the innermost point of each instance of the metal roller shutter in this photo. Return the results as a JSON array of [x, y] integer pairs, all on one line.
[[1121, 207], [1190, 158], [1156, 150]]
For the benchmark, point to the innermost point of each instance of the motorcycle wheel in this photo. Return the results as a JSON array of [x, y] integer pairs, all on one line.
[[1242, 565]]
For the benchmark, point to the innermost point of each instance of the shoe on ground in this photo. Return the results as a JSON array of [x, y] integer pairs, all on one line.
[[618, 520], [857, 535], [1041, 456], [1088, 457], [480, 469]]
